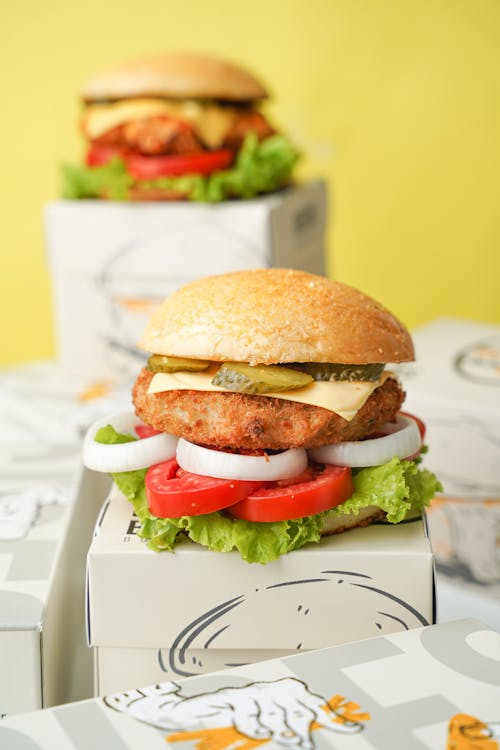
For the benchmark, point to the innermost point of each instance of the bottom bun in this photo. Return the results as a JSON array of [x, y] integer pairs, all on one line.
[[336, 524], [156, 194]]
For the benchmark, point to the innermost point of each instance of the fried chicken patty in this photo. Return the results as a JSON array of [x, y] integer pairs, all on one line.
[[238, 420]]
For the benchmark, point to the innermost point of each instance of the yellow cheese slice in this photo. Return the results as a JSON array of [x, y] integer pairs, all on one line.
[[342, 397], [210, 122]]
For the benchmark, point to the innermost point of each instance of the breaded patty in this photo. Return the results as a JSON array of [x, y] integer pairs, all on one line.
[[238, 420]]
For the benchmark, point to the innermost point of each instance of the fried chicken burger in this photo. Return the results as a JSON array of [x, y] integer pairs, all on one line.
[[178, 126], [273, 414]]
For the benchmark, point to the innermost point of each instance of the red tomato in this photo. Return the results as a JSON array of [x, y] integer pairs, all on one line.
[[173, 493], [150, 167], [99, 154], [145, 431], [330, 488]]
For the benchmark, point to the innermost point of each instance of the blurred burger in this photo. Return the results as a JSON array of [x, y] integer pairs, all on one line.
[[274, 382], [178, 126]]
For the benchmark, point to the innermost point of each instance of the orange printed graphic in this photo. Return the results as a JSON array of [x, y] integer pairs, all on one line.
[[344, 711], [135, 305], [96, 390], [218, 738], [337, 709], [468, 733]]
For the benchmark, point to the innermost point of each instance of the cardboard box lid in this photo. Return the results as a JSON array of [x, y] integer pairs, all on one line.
[[457, 361], [28, 558], [234, 235], [455, 387], [144, 599], [436, 687]]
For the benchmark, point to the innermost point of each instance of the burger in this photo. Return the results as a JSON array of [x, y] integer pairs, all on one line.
[[266, 417], [178, 126]]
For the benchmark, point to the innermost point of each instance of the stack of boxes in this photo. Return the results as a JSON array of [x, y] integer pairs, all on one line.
[[156, 616], [455, 387]]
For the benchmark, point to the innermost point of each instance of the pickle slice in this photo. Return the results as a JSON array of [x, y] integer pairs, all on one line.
[[164, 363], [329, 371], [244, 378]]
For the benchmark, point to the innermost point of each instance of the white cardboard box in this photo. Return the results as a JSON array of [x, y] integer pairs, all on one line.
[[156, 616], [43, 655], [455, 388], [112, 263], [432, 688]]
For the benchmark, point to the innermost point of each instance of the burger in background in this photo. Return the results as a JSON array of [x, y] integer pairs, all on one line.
[[178, 126], [266, 417]]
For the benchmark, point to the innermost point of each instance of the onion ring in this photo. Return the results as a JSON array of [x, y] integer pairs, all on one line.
[[214, 463], [138, 454], [401, 439]]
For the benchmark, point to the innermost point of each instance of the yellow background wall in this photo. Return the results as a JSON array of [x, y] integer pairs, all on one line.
[[396, 102]]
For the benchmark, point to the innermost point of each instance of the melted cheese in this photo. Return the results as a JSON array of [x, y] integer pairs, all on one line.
[[342, 397], [210, 122]]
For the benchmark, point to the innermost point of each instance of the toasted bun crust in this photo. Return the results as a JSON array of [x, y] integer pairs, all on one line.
[[177, 76], [334, 524], [155, 194], [272, 315]]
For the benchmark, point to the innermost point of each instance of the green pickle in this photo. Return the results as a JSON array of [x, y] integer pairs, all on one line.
[[164, 363], [327, 371], [245, 378]]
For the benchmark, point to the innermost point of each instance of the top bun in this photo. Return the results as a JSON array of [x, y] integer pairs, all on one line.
[[272, 315], [176, 76]]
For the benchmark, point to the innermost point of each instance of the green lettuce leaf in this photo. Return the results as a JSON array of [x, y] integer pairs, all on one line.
[[111, 181], [110, 436], [400, 488], [256, 542], [397, 487], [260, 167]]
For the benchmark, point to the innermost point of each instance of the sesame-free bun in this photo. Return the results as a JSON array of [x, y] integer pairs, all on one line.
[[175, 76], [272, 315]]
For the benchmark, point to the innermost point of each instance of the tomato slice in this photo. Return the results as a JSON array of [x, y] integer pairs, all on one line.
[[328, 489], [150, 167], [173, 493], [100, 154], [145, 431]]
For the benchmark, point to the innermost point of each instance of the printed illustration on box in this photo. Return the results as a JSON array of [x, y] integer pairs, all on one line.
[[456, 526], [480, 362], [474, 471], [468, 733], [20, 511], [455, 390], [284, 711], [289, 603]]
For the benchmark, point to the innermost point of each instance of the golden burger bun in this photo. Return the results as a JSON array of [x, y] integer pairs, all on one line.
[[268, 316], [175, 76]]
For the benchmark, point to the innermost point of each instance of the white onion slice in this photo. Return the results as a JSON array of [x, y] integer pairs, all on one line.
[[214, 463], [125, 456], [402, 439]]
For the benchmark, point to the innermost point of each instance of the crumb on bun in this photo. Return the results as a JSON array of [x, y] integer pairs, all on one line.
[[175, 76], [276, 315]]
